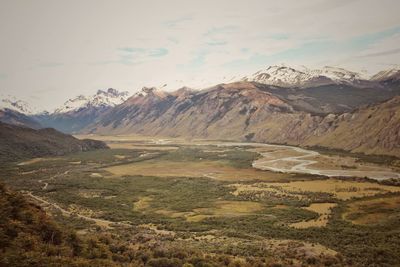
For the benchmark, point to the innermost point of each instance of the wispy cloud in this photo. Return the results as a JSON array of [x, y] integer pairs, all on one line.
[[318, 50], [216, 43], [158, 52], [383, 53], [371, 38], [134, 55], [173, 40], [304, 51], [177, 22], [279, 36], [51, 64], [132, 49], [221, 30]]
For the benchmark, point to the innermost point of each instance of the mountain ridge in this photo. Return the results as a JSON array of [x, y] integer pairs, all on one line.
[[78, 112], [248, 110], [287, 76], [251, 112], [102, 98]]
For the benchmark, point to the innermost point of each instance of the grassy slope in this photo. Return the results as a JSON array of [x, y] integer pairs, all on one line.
[[19, 142]]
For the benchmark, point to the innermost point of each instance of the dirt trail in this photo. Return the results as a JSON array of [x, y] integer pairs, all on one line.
[[45, 184], [100, 222]]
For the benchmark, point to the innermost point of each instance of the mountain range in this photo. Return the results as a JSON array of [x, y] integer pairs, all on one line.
[[302, 76], [17, 112], [78, 112], [329, 107]]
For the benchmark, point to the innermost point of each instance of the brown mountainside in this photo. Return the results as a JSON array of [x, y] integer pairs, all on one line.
[[246, 111]]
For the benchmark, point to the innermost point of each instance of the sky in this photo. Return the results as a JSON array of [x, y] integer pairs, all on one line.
[[53, 50]]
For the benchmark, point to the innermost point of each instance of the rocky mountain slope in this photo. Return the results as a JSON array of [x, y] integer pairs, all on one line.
[[20, 142], [13, 117], [373, 129], [255, 112], [78, 112], [332, 98]]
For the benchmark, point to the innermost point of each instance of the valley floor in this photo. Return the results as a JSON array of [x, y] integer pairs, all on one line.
[[252, 203]]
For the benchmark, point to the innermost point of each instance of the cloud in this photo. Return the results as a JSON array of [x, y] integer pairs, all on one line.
[[383, 53], [50, 64], [158, 52], [177, 22], [134, 56], [374, 37], [132, 49], [216, 43], [221, 30]]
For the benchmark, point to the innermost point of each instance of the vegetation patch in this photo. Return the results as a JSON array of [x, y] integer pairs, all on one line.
[[373, 211], [323, 209]]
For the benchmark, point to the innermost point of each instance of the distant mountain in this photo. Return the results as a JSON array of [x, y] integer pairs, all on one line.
[[13, 117], [102, 99], [78, 112], [279, 104], [256, 112], [20, 142], [21, 106], [18, 112], [285, 76], [390, 74], [388, 78]]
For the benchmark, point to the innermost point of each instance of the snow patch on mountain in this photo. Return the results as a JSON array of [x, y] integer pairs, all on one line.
[[108, 98], [282, 75], [393, 73], [21, 106], [151, 91]]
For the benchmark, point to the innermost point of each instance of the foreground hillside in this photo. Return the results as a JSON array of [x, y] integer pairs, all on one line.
[[20, 142], [30, 237], [254, 112]]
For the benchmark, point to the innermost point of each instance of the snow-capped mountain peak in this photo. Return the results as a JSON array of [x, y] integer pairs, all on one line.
[[393, 73], [340, 74], [279, 75], [103, 98], [151, 91], [21, 106], [286, 76]]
